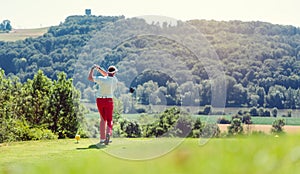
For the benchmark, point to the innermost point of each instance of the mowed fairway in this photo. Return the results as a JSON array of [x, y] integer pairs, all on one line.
[[21, 34], [255, 154]]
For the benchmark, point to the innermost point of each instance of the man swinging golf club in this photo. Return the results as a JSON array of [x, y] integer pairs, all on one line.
[[104, 99]]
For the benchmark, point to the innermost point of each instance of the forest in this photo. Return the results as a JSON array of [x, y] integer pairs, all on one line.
[[259, 61]]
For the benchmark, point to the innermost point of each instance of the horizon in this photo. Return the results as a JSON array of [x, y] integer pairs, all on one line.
[[56, 11]]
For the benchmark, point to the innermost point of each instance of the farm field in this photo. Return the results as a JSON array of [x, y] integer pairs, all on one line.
[[21, 34], [295, 121], [253, 154]]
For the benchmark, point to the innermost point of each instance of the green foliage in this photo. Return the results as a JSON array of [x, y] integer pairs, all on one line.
[[197, 128], [5, 26], [41, 134], [38, 108], [236, 127], [277, 126], [223, 120], [264, 71], [175, 123], [206, 110], [274, 112], [13, 130], [129, 129], [210, 130]]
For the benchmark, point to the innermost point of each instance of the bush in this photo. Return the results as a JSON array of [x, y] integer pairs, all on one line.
[[41, 134], [267, 113], [223, 120], [236, 127], [289, 113], [253, 111], [246, 119], [130, 129], [184, 126], [210, 130], [207, 109], [13, 130], [197, 128], [277, 126], [274, 112], [140, 109]]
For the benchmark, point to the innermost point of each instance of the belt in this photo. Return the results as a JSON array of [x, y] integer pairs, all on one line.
[[103, 97]]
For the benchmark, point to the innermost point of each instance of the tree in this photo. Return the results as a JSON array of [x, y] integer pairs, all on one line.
[[275, 97], [5, 25], [65, 110], [38, 98], [144, 91]]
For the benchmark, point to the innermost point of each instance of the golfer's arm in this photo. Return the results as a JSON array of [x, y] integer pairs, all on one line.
[[90, 77], [101, 71]]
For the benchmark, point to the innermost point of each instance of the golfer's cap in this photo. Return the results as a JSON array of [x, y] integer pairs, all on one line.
[[112, 69]]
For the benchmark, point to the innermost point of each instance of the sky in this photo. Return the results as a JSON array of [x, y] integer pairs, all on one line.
[[44, 13]]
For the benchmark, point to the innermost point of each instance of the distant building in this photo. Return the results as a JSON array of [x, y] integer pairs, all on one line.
[[88, 12]]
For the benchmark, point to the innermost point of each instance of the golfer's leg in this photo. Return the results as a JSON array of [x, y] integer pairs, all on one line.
[[102, 128], [100, 106], [109, 117]]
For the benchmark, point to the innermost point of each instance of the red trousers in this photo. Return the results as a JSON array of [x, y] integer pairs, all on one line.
[[105, 108]]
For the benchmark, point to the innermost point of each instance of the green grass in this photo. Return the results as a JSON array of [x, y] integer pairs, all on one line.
[[21, 34], [255, 154]]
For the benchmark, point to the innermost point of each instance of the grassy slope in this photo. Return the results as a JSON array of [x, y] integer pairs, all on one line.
[[265, 154], [21, 34]]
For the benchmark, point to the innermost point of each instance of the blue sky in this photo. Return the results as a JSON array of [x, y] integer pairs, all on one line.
[[43, 13]]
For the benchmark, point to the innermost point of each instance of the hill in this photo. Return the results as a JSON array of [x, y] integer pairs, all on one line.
[[260, 60]]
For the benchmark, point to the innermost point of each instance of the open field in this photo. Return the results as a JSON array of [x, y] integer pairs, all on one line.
[[21, 34], [264, 128], [293, 121], [254, 154]]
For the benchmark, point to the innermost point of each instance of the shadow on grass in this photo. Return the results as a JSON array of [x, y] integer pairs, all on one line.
[[93, 146]]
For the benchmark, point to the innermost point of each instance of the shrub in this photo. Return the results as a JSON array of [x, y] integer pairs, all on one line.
[[236, 127], [261, 112], [253, 111], [274, 112], [210, 130], [247, 119], [130, 129], [183, 127], [13, 130], [197, 128], [223, 120], [267, 113], [207, 109], [277, 126], [140, 109], [41, 134]]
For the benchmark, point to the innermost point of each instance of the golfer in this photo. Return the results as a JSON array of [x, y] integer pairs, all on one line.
[[104, 99]]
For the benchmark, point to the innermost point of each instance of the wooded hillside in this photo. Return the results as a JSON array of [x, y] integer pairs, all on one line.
[[260, 60]]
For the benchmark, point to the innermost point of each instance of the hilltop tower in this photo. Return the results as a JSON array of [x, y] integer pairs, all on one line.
[[88, 12]]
